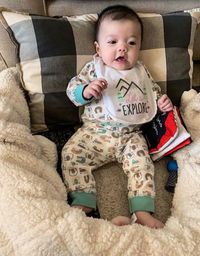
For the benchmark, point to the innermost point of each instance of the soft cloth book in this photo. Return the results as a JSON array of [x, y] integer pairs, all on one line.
[[165, 134]]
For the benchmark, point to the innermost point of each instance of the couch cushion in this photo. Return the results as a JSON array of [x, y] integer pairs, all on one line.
[[197, 35], [71, 7], [50, 51], [196, 44], [7, 49], [2, 63]]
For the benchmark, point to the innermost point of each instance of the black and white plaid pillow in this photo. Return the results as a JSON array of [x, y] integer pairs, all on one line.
[[51, 50]]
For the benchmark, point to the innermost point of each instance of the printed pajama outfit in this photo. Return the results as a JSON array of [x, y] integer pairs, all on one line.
[[110, 132]]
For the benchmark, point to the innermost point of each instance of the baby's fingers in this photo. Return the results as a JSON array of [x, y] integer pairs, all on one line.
[[102, 83], [95, 93], [96, 90], [168, 107]]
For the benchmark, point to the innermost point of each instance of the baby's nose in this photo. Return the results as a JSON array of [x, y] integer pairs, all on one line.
[[122, 48]]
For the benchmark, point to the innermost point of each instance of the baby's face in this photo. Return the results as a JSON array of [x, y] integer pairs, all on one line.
[[119, 43]]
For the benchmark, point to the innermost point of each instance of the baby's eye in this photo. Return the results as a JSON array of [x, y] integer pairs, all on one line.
[[132, 43], [112, 42]]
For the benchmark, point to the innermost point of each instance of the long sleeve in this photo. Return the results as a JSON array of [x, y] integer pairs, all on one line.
[[77, 84]]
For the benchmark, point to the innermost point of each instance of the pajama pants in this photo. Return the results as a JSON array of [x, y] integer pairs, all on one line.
[[94, 145]]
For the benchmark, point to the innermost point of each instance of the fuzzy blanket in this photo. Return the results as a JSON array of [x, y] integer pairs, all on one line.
[[36, 220]]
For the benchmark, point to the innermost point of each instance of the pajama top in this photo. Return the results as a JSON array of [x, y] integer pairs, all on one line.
[[129, 100]]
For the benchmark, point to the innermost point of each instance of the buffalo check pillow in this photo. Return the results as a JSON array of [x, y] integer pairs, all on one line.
[[51, 50]]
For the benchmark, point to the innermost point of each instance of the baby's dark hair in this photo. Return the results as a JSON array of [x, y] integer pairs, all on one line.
[[117, 12]]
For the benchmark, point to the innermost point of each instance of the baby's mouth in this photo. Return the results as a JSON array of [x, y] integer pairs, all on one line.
[[120, 59]]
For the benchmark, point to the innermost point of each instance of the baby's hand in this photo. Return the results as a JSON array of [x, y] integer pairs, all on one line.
[[95, 88], [165, 104]]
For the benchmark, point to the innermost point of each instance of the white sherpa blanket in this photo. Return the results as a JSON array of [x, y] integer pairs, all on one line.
[[36, 220]]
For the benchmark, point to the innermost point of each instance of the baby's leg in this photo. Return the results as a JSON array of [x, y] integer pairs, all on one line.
[[78, 162], [139, 168], [84, 152]]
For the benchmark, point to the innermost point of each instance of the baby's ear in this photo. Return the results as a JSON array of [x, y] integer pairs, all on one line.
[[97, 47]]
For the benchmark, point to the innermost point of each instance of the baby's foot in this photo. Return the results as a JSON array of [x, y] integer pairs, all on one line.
[[83, 208], [121, 221], [146, 219]]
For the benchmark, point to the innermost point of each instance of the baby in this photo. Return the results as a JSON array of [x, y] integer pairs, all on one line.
[[119, 96]]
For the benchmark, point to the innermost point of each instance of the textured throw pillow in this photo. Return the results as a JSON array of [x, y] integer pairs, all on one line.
[[51, 50]]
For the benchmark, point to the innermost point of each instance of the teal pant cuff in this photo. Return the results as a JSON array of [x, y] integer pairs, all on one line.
[[83, 199], [141, 203]]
